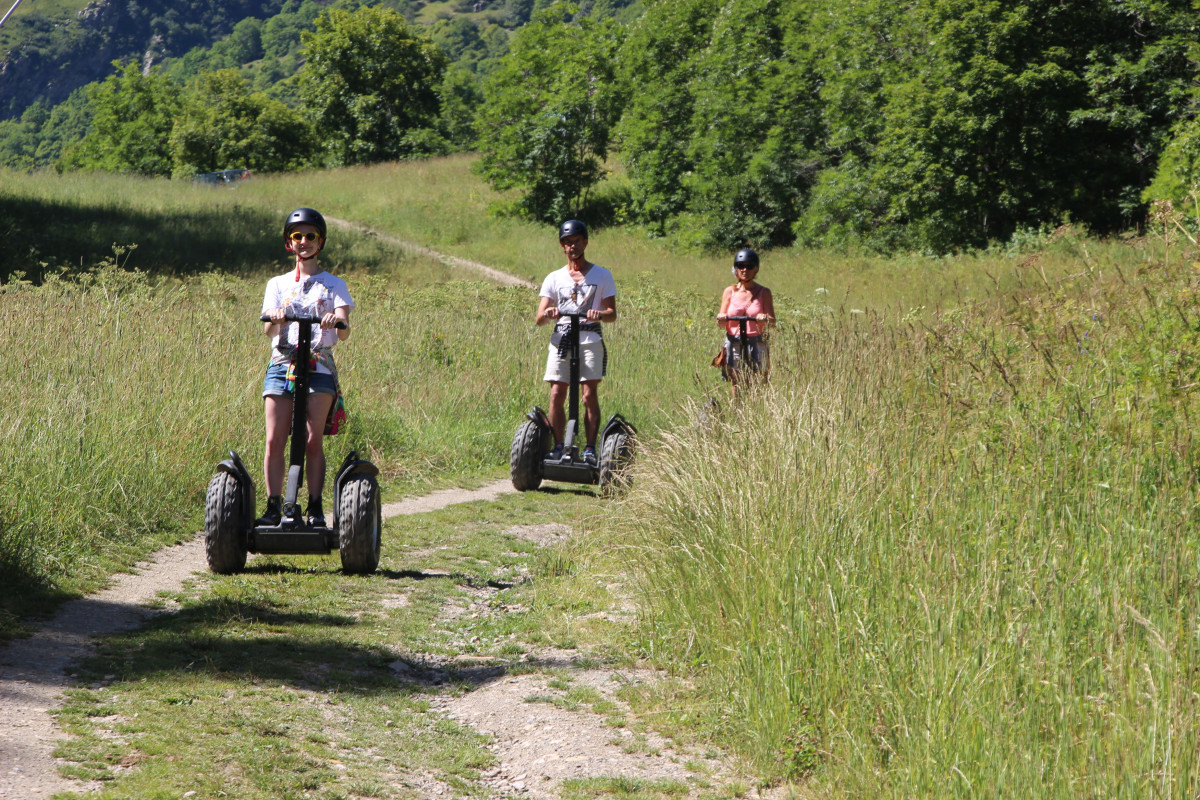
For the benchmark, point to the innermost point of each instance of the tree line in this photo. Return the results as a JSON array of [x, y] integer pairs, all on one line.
[[929, 125]]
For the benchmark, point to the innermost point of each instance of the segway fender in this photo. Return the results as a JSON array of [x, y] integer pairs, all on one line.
[[234, 466], [617, 423], [353, 465], [539, 416]]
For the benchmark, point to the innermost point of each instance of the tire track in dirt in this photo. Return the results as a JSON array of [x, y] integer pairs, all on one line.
[[33, 671]]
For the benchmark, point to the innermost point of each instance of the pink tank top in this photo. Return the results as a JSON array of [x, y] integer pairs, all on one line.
[[739, 308]]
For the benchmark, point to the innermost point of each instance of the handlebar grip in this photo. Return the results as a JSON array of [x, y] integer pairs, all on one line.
[[310, 320]]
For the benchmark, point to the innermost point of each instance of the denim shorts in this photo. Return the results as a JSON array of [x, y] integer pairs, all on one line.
[[275, 383]]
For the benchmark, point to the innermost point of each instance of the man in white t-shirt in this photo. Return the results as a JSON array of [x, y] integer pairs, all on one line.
[[577, 288]]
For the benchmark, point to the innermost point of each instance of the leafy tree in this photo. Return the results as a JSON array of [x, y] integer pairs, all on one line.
[[460, 39], [517, 12], [370, 81], [755, 123], [724, 121], [281, 33], [1142, 76], [657, 62], [549, 110], [222, 125], [461, 97], [866, 47], [132, 116]]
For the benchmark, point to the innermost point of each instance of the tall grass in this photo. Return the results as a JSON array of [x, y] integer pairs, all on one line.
[[128, 388], [948, 551], [949, 559]]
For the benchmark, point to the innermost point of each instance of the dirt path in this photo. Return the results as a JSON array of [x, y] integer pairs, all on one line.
[[454, 261], [538, 745], [33, 671]]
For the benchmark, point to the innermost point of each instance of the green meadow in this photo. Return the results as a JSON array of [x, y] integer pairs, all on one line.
[[949, 551]]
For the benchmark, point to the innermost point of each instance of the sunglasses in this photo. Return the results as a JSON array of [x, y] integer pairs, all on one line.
[[746, 266], [298, 236]]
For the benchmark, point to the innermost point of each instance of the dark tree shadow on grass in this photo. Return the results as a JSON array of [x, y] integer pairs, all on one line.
[[256, 641], [175, 241]]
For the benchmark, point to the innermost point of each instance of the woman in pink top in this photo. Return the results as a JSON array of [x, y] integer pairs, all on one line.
[[746, 298]]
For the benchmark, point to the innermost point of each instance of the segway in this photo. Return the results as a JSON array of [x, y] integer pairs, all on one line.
[[230, 531], [743, 343], [535, 439], [743, 338]]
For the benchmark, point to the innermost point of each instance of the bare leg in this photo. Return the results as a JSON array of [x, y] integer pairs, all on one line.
[[558, 414], [314, 452], [591, 405], [279, 424]]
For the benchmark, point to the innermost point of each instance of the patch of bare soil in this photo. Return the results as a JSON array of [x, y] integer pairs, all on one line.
[[540, 741]]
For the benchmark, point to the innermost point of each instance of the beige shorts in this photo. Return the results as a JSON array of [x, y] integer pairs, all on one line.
[[591, 364]]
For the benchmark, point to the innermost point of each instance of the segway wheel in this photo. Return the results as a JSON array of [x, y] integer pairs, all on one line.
[[360, 523], [526, 459], [224, 539], [616, 454]]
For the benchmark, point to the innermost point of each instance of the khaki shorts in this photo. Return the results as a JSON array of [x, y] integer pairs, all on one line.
[[591, 364]]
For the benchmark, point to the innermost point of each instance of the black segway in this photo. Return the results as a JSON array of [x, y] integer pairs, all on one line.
[[743, 338], [229, 522], [535, 439]]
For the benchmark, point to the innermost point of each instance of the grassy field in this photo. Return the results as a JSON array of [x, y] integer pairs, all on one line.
[[949, 559], [950, 550]]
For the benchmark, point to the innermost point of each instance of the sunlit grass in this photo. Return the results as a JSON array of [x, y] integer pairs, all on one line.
[[950, 547], [950, 558]]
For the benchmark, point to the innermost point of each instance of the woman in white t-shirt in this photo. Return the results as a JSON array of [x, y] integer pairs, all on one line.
[[578, 287], [306, 290]]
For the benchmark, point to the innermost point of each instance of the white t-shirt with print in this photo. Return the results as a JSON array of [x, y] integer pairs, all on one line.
[[576, 298], [311, 296]]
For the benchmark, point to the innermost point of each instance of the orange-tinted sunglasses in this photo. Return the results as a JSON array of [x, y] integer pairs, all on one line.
[[300, 236]]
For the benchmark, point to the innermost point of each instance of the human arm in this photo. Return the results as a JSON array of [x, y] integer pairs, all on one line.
[[606, 290], [339, 314], [272, 307], [768, 305], [723, 311], [607, 311], [546, 310]]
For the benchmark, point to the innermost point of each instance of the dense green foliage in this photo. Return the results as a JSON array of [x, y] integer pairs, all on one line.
[[133, 115], [223, 123], [548, 112], [929, 124], [370, 86], [55, 56], [923, 125]]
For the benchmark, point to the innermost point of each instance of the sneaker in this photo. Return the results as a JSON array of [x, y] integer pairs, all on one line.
[[589, 455], [273, 516], [556, 454], [314, 517]]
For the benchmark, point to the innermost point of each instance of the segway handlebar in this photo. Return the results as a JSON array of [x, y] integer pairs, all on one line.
[[302, 320], [741, 319]]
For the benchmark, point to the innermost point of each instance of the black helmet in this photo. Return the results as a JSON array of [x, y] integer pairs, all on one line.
[[305, 216], [572, 227], [745, 257]]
